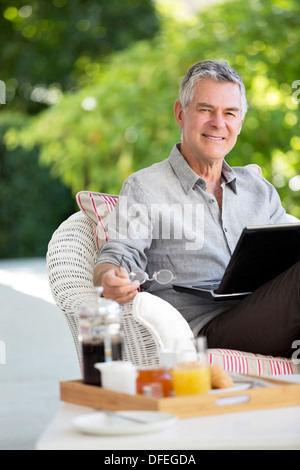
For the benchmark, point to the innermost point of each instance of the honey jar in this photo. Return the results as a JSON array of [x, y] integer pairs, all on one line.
[[154, 382]]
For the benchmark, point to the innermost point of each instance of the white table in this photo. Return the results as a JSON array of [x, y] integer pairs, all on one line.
[[273, 428]]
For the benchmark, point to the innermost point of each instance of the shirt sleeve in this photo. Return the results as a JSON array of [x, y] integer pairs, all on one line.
[[129, 229]]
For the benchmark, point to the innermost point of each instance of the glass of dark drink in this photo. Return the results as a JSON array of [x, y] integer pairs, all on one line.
[[100, 335]]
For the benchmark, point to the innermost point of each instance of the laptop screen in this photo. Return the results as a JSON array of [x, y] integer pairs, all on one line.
[[261, 254]]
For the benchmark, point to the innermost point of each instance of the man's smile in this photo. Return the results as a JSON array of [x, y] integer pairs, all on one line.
[[214, 137]]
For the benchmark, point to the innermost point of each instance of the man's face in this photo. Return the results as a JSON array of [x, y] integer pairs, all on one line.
[[212, 121]]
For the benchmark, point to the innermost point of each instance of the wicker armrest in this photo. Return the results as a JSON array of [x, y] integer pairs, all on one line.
[[70, 262]]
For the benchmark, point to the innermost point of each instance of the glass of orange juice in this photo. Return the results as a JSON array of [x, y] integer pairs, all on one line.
[[191, 375]]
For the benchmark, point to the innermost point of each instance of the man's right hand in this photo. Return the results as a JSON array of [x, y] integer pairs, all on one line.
[[115, 282]]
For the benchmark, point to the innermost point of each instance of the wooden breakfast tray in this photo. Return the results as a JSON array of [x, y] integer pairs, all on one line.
[[282, 394]]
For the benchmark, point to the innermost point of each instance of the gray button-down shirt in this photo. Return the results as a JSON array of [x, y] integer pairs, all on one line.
[[165, 219]]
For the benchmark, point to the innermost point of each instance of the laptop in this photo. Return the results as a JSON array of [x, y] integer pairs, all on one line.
[[261, 254]]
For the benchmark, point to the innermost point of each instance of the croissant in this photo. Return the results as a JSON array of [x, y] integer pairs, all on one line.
[[219, 378]]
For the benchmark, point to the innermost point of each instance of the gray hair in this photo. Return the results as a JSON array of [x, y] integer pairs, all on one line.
[[219, 71]]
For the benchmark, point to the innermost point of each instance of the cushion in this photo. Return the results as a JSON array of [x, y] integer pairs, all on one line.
[[168, 327], [97, 206], [252, 364], [255, 167]]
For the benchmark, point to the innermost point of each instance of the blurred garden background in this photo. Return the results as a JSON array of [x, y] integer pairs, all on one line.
[[90, 87]]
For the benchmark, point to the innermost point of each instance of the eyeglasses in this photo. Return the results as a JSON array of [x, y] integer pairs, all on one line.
[[164, 276]]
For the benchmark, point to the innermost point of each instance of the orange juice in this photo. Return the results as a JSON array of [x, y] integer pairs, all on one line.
[[191, 379]]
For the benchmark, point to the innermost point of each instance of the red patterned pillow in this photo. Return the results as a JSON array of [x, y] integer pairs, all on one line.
[[97, 206], [252, 364]]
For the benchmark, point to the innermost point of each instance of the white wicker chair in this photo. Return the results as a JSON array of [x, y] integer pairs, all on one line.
[[70, 262]]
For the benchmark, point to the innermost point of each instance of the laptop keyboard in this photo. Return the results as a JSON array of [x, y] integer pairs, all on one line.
[[207, 286]]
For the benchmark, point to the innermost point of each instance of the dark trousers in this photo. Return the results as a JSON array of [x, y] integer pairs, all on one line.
[[266, 322]]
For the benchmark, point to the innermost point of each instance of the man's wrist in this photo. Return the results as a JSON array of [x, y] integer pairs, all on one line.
[[99, 271]]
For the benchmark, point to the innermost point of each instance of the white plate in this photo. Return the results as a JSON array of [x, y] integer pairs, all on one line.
[[237, 387], [99, 423]]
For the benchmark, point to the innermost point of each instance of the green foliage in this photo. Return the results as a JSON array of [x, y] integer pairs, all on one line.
[[49, 46], [32, 202], [123, 119]]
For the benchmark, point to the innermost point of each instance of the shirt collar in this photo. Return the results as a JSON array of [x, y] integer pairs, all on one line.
[[229, 176], [188, 178]]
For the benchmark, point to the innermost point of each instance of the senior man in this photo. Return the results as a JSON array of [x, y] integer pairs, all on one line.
[[206, 205]]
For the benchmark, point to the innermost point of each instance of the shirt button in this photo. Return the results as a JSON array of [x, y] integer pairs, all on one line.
[[225, 229], [212, 200]]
